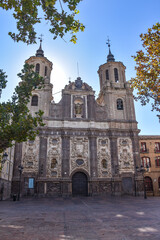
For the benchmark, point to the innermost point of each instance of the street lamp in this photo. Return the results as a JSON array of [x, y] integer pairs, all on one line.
[[20, 168], [4, 158], [143, 170]]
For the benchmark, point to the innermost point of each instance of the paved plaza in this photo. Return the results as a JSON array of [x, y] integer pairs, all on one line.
[[87, 218]]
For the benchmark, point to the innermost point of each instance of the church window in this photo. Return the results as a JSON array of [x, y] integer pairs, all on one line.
[[116, 74], [119, 104], [54, 141], [145, 162], [80, 162], [37, 68], [107, 74], [53, 163], [34, 101], [157, 161], [103, 142], [31, 183], [45, 73], [104, 163]]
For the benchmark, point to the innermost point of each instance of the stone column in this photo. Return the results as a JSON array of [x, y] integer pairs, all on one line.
[[42, 164], [65, 190], [42, 156], [91, 107], [66, 106], [65, 155], [17, 162], [93, 156], [135, 145], [114, 155]]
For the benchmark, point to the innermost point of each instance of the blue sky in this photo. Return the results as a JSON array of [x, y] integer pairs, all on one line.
[[123, 21]]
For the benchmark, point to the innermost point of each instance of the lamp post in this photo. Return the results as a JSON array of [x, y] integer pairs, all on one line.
[[20, 168], [135, 184], [4, 158], [143, 170]]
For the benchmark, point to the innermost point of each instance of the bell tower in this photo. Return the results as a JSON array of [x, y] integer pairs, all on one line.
[[41, 98], [115, 92]]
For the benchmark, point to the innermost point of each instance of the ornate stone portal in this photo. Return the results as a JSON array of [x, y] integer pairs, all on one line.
[[104, 157], [30, 156], [125, 155], [79, 154], [54, 157]]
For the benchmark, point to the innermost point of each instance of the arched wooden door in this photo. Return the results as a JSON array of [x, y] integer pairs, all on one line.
[[79, 184], [148, 184]]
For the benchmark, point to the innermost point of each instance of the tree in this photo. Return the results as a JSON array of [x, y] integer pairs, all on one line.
[[16, 123], [27, 16], [147, 80]]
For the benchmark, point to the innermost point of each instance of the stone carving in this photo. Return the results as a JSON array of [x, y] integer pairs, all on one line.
[[30, 155], [54, 157], [78, 83], [79, 153], [125, 155], [104, 157]]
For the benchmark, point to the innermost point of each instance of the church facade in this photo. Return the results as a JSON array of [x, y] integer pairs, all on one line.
[[88, 146]]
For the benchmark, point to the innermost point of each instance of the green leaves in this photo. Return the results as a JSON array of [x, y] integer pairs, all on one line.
[[147, 81], [16, 123], [3, 80], [26, 15]]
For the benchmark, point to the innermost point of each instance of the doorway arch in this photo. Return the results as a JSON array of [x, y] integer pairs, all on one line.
[[79, 184]]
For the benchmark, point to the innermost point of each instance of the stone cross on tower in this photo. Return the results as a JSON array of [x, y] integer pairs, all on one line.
[[40, 38], [108, 43]]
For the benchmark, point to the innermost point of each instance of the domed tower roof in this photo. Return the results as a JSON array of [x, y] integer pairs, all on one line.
[[40, 52]]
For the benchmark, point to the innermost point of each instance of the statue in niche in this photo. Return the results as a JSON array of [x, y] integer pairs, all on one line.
[[53, 163], [78, 109], [104, 163]]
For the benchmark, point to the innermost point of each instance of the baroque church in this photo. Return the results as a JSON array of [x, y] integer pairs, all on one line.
[[88, 146]]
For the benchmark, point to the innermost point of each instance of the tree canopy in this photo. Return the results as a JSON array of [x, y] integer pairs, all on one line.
[[26, 14], [16, 123], [147, 80]]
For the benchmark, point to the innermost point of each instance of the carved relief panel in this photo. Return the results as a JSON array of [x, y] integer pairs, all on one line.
[[30, 155], [79, 153], [104, 157], [54, 157], [125, 155]]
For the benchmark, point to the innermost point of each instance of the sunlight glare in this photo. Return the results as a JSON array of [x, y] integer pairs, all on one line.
[[147, 229], [59, 80]]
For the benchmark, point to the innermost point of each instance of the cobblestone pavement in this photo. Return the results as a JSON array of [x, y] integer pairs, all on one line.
[[90, 218]]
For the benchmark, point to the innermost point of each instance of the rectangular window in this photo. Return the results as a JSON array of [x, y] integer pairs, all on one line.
[[145, 161], [157, 161], [107, 75], [143, 147], [157, 147]]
